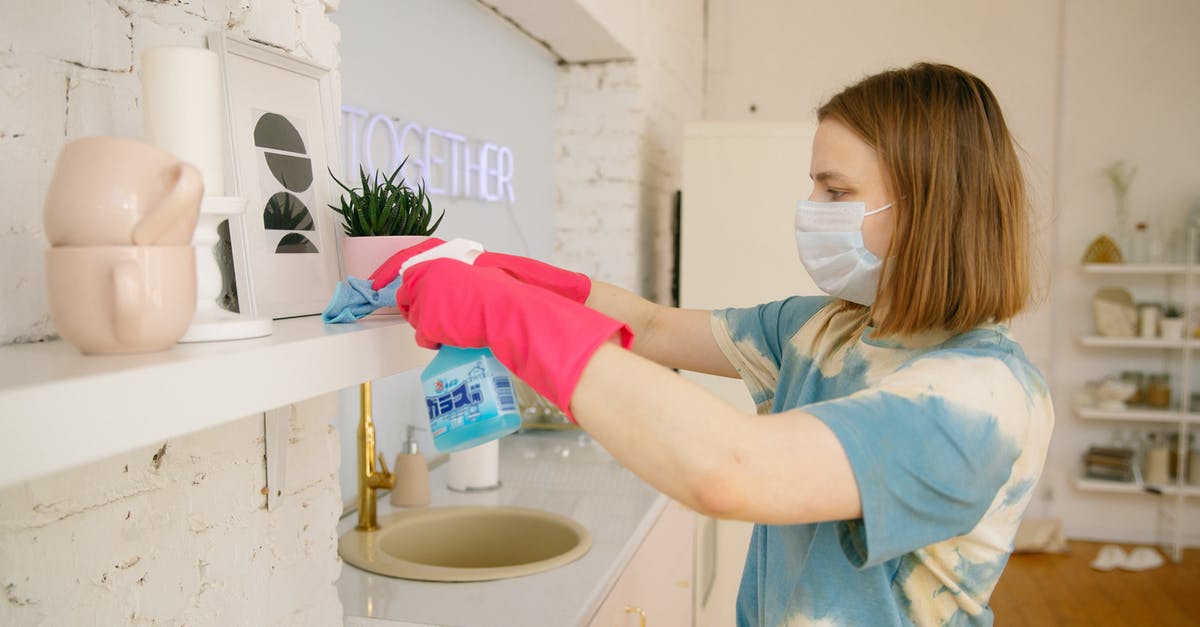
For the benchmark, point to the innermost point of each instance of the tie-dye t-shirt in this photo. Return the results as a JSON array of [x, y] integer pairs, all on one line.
[[946, 436]]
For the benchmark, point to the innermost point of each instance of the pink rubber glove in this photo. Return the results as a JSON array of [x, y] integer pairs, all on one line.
[[390, 268], [543, 338], [572, 285]]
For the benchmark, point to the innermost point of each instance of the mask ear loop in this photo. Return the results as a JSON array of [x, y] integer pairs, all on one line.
[[869, 321], [883, 208]]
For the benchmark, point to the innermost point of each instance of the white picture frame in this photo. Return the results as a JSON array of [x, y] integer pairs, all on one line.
[[281, 120]]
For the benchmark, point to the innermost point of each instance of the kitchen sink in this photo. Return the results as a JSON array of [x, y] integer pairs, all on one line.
[[466, 543]]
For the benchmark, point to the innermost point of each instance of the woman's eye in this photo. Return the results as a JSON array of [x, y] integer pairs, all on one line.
[[836, 194]]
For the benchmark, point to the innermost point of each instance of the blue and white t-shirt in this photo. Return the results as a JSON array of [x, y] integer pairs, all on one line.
[[946, 436]]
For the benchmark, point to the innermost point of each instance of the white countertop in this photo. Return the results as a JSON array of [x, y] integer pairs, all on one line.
[[563, 472]]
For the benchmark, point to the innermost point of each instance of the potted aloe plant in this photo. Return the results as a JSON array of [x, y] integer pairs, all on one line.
[[379, 218]]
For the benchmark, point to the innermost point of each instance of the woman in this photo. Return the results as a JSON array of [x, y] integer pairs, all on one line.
[[900, 428]]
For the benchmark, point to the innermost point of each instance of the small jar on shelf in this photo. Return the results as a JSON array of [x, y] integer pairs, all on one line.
[[1158, 390], [1155, 460]]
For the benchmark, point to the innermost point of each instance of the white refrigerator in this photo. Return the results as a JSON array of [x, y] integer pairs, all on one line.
[[741, 182]]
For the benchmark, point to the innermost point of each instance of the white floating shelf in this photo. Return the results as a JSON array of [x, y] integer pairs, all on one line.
[[1096, 341], [1137, 414], [59, 408], [1135, 268], [1122, 487]]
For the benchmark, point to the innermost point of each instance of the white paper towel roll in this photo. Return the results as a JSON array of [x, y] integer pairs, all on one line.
[[183, 108], [476, 468]]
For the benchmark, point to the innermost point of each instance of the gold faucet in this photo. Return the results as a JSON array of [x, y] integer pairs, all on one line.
[[370, 479]]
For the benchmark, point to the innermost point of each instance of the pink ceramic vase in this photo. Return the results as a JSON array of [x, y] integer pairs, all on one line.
[[362, 255]]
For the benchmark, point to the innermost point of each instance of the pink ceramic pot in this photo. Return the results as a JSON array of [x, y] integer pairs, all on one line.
[[112, 191], [121, 299], [362, 255]]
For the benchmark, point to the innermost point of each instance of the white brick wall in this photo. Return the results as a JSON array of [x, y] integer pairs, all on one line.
[[620, 144], [68, 69], [598, 172], [179, 534], [185, 539]]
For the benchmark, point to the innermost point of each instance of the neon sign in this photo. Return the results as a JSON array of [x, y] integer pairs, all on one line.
[[448, 163]]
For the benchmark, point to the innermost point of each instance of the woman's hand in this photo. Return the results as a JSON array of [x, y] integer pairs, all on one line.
[[544, 338]]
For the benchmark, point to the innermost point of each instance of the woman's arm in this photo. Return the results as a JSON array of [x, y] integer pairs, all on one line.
[[677, 338], [673, 337], [784, 468]]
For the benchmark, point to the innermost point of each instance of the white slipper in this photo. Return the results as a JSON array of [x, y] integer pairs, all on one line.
[[1110, 556], [1142, 558]]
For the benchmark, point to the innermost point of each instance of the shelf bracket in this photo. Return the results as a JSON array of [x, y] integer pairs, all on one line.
[[277, 424]]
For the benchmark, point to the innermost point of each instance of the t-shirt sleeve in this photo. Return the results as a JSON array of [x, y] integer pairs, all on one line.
[[752, 338], [931, 446]]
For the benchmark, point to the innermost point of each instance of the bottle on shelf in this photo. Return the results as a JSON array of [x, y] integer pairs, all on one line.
[[1156, 249], [1139, 244], [1193, 222], [1173, 455], [1194, 466], [1148, 315]]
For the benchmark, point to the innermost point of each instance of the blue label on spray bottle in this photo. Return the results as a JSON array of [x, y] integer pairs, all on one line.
[[469, 397]]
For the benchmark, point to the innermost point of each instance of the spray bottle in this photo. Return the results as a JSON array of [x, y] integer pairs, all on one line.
[[468, 392], [470, 399]]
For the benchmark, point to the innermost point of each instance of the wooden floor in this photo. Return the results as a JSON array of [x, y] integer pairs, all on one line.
[[1040, 589]]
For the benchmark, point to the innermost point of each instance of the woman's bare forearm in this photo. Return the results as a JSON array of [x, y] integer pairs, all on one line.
[[784, 468], [672, 337]]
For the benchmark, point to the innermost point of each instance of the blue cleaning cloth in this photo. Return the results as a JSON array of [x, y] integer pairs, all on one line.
[[354, 298]]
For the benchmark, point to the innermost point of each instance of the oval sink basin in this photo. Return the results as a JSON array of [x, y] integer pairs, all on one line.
[[467, 543]]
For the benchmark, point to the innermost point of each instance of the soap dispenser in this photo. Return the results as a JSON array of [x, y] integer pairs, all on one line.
[[411, 487]]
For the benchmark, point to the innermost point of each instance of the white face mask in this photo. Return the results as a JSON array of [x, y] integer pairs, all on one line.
[[829, 238]]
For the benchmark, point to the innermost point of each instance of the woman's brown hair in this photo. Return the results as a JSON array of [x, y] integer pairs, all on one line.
[[959, 254]]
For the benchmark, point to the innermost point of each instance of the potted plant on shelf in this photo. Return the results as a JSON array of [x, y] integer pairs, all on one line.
[[380, 218], [1171, 325]]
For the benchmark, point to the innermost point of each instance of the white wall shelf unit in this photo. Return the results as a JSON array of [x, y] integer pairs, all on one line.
[[1137, 414], [1152, 269], [1096, 341], [1121, 487], [1175, 350], [59, 408]]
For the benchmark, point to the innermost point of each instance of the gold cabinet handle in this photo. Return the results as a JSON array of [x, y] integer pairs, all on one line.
[[629, 609]]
